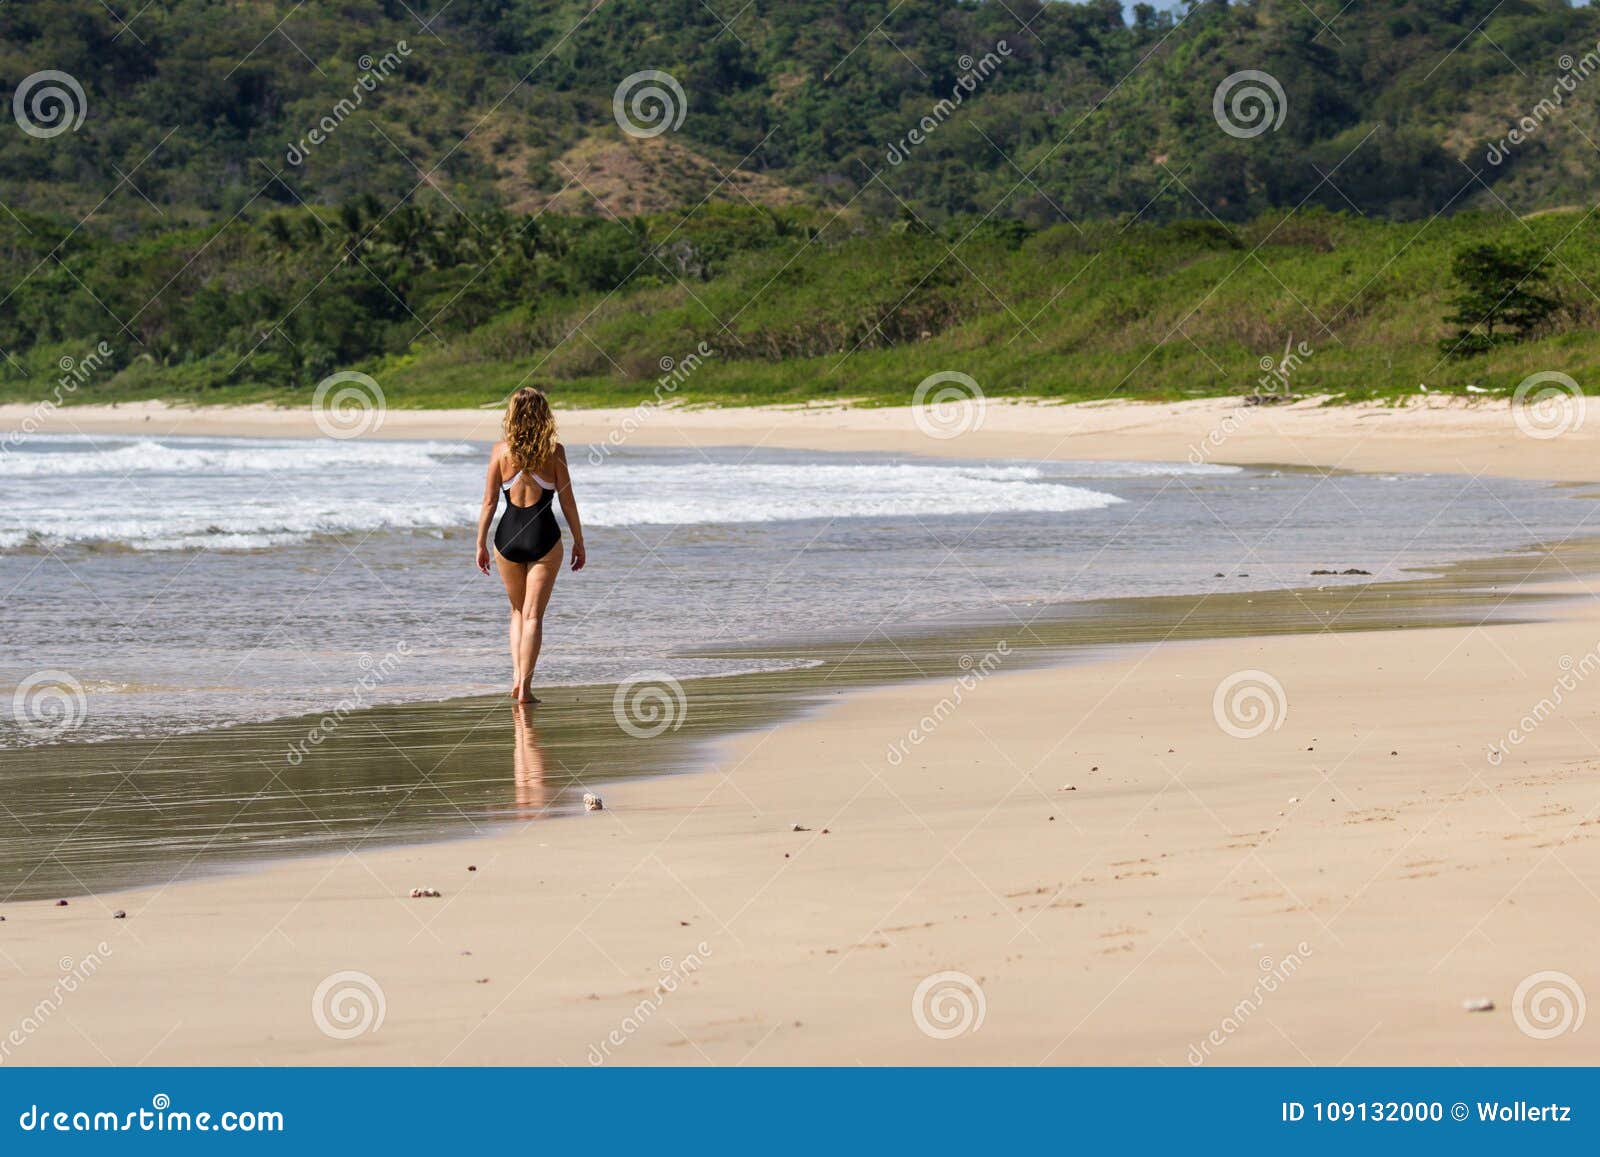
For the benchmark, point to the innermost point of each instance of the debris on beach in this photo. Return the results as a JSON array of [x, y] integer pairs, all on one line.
[[1478, 1004], [1294, 799], [1069, 787], [119, 914], [1347, 570], [592, 802], [61, 903], [425, 893], [472, 867], [799, 828]]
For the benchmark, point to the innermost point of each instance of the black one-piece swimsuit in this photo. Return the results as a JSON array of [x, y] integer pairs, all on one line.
[[527, 533]]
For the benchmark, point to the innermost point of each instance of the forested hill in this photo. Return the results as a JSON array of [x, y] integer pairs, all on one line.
[[193, 110]]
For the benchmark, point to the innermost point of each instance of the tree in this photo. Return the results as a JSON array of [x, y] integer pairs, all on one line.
[[1499, 301]]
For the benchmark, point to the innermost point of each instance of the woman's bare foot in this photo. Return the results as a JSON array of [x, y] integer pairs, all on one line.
[[524, 694]]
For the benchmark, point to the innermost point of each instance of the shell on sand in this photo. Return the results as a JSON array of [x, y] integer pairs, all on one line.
[[592, 802]]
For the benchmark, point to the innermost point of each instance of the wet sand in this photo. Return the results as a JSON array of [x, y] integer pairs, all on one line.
[[1330, 890], [92, 818]]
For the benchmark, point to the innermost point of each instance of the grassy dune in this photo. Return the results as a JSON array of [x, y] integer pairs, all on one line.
[[1138, 312]]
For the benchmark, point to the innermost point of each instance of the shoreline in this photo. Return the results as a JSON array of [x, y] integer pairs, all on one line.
[[581, 725], [1112, 873], [1433, 434]]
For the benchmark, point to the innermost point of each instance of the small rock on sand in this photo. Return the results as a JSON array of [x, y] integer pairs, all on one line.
[[425, 893], [592, 802], [1294, 799], [1069, 787], [61, 903], [1478, 1004], [119, 914], [799, 828]]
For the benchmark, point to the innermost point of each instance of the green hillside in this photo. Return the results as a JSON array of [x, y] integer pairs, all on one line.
[[260, 194]]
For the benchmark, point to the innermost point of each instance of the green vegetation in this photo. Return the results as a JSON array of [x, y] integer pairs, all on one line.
[[1078, 225], [1499, 300], [448, 311]]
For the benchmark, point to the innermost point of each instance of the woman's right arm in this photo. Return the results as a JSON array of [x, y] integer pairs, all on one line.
[[491, 499]]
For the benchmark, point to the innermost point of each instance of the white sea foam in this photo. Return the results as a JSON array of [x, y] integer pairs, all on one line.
[[239, 494], [625, 495], [120, 458]]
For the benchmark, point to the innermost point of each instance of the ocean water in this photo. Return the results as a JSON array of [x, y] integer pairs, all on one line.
[[162, 585]]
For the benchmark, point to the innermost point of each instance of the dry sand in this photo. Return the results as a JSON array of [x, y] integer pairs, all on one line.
[[1329, 891], [1437, 434]]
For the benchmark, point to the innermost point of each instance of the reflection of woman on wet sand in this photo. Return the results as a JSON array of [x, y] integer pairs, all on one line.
[[527, 764]]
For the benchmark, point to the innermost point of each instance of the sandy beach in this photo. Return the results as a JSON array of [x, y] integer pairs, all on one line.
[[1434, 434], [1097, 864]]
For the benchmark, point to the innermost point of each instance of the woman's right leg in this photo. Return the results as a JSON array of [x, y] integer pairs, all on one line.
[[515, 577], [541, 580]]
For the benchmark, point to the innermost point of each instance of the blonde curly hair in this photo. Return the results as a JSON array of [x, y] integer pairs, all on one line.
[[530, 429]]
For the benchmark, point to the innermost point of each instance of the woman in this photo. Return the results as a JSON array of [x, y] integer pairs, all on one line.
[[530, 469]]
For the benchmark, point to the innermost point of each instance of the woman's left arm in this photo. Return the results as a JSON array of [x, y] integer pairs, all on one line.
[[569, 507], [491, 502]]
